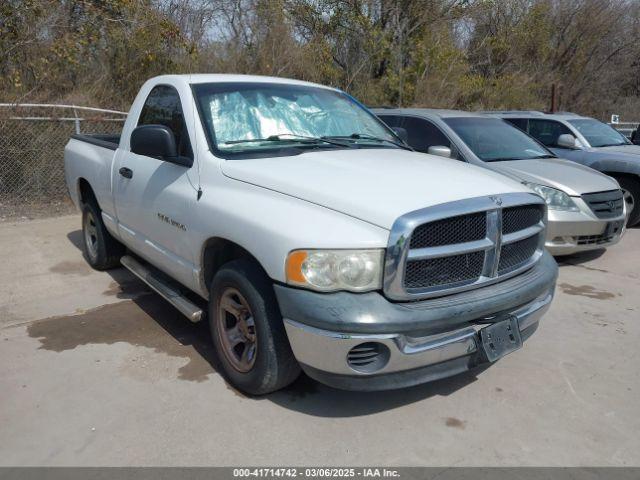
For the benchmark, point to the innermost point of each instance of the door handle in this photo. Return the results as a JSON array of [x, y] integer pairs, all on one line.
[[126, 172]]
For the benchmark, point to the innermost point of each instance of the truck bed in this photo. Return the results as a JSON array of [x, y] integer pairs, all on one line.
[[102, 140], [91, 157]]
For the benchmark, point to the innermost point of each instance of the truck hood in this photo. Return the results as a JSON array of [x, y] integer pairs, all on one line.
[[628, 149], [570, 177], [374, 185]]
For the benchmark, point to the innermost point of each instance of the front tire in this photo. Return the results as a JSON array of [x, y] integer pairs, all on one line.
[[248, 331], [101, 250], [631, 189]]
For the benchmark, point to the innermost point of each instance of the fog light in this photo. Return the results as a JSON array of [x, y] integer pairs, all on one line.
[[368, 357]]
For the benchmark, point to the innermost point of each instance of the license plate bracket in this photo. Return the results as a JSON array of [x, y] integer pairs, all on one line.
[[501, 338]]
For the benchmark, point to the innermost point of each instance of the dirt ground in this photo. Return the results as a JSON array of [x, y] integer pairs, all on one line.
[[97, 370], [12, 210]]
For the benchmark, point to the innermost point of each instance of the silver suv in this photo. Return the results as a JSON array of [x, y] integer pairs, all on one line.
[[589, 142], [586, 208]]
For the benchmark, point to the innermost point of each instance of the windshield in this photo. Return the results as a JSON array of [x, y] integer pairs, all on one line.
[[599, 134], [251, 117], [492, 139]]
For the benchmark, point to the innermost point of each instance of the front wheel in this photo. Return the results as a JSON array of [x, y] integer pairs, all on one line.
[[631, 191], [248, 331]]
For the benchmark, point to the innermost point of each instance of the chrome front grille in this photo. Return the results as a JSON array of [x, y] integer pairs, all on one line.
[[605, 204], [514, 255], [463, 228], [462, 245], [520, 217], [443, 270]]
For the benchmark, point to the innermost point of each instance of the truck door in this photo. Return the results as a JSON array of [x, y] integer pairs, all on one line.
[[155, 199]]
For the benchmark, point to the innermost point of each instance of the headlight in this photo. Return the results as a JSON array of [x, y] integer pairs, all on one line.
[[330, 270], [556, 199]]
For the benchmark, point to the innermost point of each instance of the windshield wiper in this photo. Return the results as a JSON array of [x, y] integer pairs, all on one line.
[[508, 159], [279, 138], [504, 159], [613, 145], [364, 136]]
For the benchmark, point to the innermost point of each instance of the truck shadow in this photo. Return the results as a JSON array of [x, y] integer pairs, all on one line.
[[75, 237], [581, 257], [312, 398], [147, 320], [305, 395]]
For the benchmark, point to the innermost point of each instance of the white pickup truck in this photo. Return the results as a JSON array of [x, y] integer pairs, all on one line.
[[309, 236]]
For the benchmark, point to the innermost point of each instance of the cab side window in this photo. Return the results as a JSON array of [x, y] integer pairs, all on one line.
[[547, 131], [163, 107], [424, 134], [520, 123], [391, 120]]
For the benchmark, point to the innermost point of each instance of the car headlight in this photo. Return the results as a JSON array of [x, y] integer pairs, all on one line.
[[555, 199], [331, 270]]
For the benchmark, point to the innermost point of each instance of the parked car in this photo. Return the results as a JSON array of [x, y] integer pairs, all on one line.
[[588, 142], [586, 208], [316, 238]]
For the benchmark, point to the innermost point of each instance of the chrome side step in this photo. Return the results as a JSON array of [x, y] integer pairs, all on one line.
[[163, 288]]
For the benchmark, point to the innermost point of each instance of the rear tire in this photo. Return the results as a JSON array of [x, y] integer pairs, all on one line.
[[248, 331], [101, 250], [631, 188]]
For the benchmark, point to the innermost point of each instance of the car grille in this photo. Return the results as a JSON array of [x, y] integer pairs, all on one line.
[[444, 270], [463, 228], [519, 218], [513, 255], [463, 250], [594, 239], [605, 204]]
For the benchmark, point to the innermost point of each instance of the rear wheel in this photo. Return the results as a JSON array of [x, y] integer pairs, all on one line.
[[101, 250], [248, 331], [631, 190]]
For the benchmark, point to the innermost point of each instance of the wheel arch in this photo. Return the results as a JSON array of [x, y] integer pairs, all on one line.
[[216, 252], [615, 174], [630, 182], [85, 192]]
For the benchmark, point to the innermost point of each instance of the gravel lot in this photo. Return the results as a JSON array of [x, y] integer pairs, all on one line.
[[96, 370]]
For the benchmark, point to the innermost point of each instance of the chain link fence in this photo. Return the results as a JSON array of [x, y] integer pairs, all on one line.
[[32, 141]]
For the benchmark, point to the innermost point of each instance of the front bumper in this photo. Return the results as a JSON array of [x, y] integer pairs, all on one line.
[[422, 341], [572, 232]]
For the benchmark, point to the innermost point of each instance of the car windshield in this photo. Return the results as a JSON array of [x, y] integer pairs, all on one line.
[[599, 134], [494, 140], [253, 117]]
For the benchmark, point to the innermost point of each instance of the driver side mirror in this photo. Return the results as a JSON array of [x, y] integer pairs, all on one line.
[[157, 141], [567, 140], [440, 151], [635, 136], [402, 133]]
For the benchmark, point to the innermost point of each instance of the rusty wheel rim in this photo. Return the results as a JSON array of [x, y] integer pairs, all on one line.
[[237, 330], [91, 235]]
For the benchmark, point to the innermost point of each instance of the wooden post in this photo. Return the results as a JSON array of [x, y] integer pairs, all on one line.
[[554, 98]]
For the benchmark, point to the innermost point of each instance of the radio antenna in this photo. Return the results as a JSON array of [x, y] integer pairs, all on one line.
[[195, 137]]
